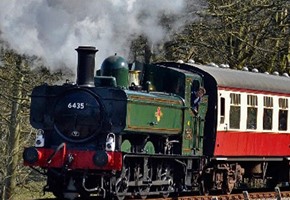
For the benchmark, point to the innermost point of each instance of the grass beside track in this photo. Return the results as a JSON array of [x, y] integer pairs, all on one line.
[[31, 191]]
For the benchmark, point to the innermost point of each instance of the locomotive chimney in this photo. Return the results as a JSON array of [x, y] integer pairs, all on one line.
[[86, 65]]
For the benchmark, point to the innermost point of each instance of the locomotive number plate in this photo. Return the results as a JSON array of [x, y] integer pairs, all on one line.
[[76, 105]]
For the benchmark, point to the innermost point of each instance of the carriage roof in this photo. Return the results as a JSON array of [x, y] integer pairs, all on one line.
[[247, 80], [230, 78]]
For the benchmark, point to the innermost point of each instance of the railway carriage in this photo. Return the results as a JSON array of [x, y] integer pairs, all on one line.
[[248, 112], [246, 127], [125, 132]]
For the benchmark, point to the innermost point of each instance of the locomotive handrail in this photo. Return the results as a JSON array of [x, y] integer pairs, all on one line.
[[54, 153]]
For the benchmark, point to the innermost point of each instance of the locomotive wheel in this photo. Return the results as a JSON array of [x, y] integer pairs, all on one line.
[[168, 188], [121, 188], [203, 188], [228, 184], [204, 184], [122, 184], [145, 189]]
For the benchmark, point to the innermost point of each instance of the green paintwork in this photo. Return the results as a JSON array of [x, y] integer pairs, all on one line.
[[154, 113], [126, 146], [167, 109], [202, 113], [117, 67], [149, 148]]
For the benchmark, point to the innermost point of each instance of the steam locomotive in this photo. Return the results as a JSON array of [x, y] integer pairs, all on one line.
[[131, 131]]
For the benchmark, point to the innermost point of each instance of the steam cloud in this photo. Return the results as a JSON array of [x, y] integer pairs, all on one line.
[[52, 29]]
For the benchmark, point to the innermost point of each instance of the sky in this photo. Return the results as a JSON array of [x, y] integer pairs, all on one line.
[[52, 29]]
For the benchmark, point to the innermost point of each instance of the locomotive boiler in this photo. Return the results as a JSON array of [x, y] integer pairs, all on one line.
[[124, 132]]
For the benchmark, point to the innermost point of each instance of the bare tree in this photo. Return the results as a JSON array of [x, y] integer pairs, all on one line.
[[17, 78], [240, 33]]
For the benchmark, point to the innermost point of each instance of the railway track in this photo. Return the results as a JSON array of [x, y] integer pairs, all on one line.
[[245, 195], [277, 195]]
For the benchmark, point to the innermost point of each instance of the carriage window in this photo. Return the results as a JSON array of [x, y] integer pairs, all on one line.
[[283, 114], [235, 111], [222, 110], [268, 113], [252, 112]]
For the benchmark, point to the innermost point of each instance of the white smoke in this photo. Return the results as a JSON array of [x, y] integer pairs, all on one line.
[[52, 29]]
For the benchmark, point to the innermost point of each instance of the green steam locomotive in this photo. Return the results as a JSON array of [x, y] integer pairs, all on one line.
[[132, 131]]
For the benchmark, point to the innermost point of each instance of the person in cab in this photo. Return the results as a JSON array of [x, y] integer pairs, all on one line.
[[196, 99]]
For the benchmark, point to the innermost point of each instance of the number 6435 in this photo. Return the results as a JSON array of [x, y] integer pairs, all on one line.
[[76, 105]]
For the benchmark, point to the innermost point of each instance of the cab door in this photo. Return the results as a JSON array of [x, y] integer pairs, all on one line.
[[193, 123], [199, 121]]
